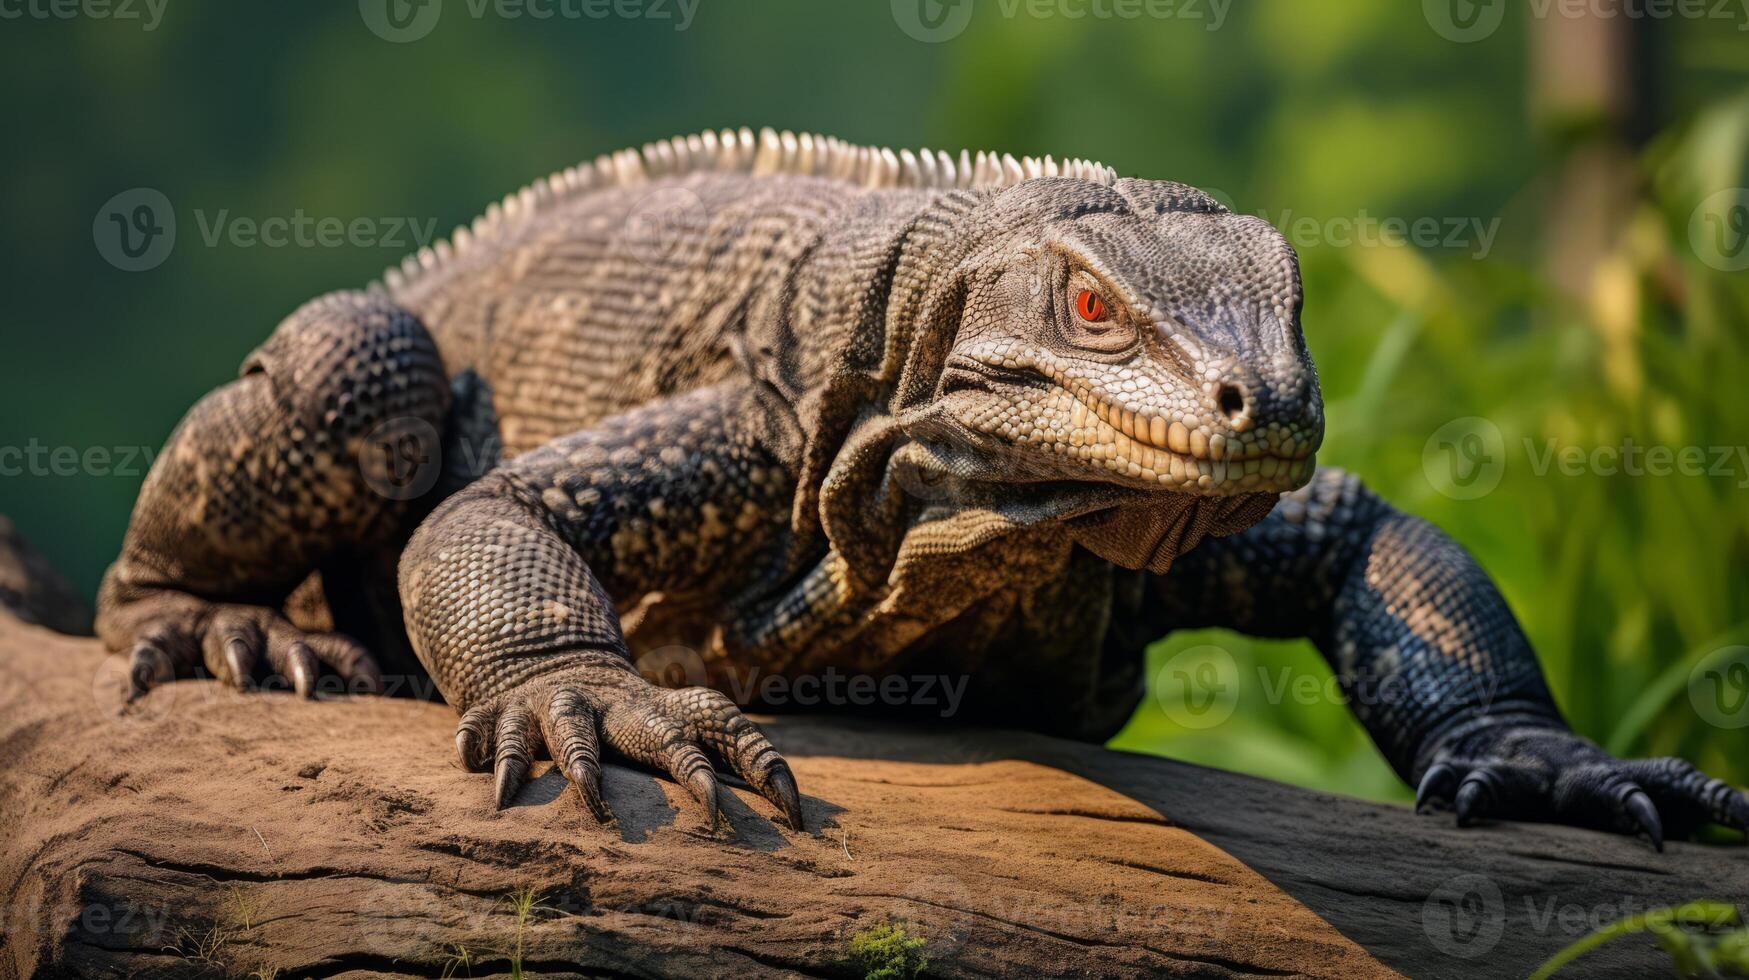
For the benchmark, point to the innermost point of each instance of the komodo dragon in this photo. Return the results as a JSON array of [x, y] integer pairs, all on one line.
[[807, 406]]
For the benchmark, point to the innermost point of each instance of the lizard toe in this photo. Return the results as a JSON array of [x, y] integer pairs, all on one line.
[[513, 751], [1475, 798], [473, 736], [1603, 796], [1688, 798], [233, 648], [148, 666], [1437, 787], [571, 738], [348, 660], [642, 728], [716, 722]]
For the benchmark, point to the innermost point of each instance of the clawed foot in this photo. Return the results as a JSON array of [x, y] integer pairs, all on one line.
[[1538, 772], [571, 716], [244, 646]]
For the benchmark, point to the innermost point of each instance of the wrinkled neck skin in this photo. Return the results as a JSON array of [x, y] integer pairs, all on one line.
[[1150, 531]]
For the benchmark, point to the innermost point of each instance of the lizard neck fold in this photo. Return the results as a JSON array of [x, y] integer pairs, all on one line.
[[882, 356]]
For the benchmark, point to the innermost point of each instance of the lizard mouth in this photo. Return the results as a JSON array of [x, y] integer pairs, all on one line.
[[1133, 446]]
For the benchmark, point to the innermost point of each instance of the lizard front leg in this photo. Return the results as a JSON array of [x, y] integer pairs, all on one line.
[[1433, 663], [509, 593]]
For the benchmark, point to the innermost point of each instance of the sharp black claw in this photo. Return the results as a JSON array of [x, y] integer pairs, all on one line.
[[1436, 786], [1643, 813], [509, 781], [146, 665], [597, 806], [1472, 800], [237, 658], [703, 786], [785, 795], [512, 757], [587, 779], [303, 673], [139, 681]]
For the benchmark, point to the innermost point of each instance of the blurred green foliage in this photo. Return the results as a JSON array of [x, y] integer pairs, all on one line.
[[1329, 111]]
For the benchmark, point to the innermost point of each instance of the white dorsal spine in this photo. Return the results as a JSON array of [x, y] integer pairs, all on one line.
[[767, 152]]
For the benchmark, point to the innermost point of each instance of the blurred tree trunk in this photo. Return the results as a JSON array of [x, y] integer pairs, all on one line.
[[1590, 92], [1584, 74]]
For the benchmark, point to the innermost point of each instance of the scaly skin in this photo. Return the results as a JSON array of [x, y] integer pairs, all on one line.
[[811, 407]]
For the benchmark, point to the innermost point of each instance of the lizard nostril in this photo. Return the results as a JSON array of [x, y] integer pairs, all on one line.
[[1231, 398]]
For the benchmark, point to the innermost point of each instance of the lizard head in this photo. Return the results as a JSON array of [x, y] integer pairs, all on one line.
[[1132, 354], [1138, 334]]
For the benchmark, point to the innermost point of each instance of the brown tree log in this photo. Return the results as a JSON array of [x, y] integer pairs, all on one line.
[[205, 832]]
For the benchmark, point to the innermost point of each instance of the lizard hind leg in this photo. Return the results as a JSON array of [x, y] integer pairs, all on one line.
[[324, 445]]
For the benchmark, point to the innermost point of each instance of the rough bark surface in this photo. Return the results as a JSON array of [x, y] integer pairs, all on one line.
[[193, 833]]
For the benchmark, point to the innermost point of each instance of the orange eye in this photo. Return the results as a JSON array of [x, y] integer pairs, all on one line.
[[1090, 306]]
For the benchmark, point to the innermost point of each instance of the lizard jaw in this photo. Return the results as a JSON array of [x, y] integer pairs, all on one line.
[[1122, 451], [1068, 418]]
